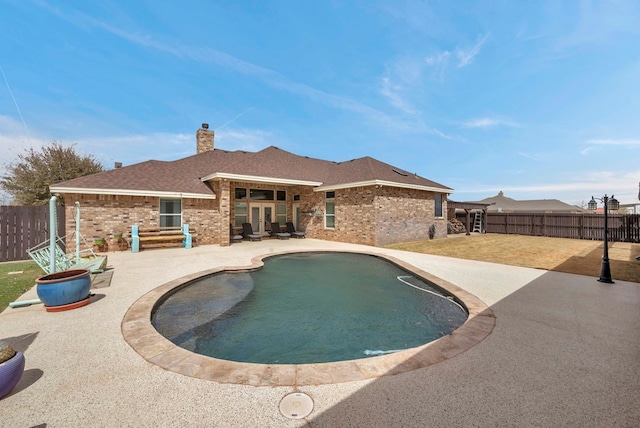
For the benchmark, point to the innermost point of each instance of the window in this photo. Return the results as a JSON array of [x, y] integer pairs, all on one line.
[[330, 210], [240, 214], [281, 195], [241, 193], [296, 198], [281, 214], [261, 195], [438, 205], [170, 213]]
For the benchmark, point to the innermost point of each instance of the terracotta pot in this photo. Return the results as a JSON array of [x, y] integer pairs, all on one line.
[[11, 373], [65, 287]]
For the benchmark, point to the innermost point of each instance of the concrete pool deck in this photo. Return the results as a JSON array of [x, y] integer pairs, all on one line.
[[565, 351]]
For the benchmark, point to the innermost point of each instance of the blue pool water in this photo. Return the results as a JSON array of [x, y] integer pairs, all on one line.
[[307, 308]]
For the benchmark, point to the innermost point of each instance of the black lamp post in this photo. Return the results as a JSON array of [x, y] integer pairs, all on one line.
[[605, 271]]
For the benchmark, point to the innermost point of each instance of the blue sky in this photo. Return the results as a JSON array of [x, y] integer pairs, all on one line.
[[540, 100]]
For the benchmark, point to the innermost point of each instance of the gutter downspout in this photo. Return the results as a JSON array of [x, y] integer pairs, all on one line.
[[77, 232], [53, 228]]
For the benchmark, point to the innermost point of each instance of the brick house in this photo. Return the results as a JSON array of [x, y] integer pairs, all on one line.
[[362, 201]]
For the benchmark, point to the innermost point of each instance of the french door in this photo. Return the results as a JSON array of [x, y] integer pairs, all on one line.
[[261, 217]]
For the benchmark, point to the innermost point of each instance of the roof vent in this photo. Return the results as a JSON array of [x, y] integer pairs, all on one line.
[[117, 165]]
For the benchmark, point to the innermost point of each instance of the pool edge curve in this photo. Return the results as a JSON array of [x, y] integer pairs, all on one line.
[[140, 334]]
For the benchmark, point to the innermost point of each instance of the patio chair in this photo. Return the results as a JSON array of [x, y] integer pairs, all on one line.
[[292, 230], [233, 236], [247, 232], [277, 232]]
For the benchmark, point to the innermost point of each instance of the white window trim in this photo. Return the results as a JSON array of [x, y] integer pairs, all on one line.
[[330, 201], [246, 214], [161, 215], [435, 205]]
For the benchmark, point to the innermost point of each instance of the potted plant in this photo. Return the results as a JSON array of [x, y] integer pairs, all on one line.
[[11, 368]]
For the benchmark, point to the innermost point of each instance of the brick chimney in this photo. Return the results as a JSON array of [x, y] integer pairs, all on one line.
[[204, 139]]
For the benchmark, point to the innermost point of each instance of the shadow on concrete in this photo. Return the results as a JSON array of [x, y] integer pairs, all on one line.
[[29, 377], [564, 352], [96, 297], [21, 343], [103, 279]]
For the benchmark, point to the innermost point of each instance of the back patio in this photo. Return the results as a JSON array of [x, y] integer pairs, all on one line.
[[563, 353]]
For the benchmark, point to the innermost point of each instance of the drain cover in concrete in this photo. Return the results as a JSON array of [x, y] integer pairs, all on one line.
[[296, 405]]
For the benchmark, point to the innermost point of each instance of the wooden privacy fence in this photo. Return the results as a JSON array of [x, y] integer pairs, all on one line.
[[23, 227], [622, 227]]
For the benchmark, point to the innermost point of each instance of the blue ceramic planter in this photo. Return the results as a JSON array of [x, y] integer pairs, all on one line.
[[10, 373], [63, 288]]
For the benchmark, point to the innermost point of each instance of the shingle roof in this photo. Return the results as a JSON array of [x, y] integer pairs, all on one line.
[[505, 204], [185, 175]]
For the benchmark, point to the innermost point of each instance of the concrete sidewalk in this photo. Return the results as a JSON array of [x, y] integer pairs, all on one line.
[[564, 352]]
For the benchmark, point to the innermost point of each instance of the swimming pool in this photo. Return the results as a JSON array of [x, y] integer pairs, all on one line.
[[308, 308], [143, 337]]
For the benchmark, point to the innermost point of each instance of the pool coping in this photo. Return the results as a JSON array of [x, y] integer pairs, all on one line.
[[140, 334]]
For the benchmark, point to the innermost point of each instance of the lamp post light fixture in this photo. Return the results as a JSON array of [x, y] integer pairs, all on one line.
[[609, 203]]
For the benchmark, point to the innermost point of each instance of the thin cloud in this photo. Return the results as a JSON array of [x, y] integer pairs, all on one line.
[[170, 145], [465, 57], [218, 128], [440, 61], [392, 91], [585, 152], [270, 77], [532, 156], [489, 122], [15, 139], [439, 64], [599, 23], [626, 142], [594, 144], [245, 139], [624, 186]]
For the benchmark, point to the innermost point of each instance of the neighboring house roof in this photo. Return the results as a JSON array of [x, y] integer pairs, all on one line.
[[189, 177], [502, 203]]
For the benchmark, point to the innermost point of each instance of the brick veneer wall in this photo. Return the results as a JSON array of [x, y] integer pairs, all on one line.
[[105, 215], [406, 215], [374, 215], [364, 215], [354, 216]]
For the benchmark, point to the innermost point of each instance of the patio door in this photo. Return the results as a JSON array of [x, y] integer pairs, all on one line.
[[261, 217]]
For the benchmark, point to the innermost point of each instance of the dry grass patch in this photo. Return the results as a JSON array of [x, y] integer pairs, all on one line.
[[563, 255]]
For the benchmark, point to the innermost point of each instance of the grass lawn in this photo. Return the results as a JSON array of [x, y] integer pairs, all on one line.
[[15, 279], [558, 254]]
